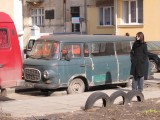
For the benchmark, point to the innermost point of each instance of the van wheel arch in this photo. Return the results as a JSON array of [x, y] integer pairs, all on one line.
[[154, 65], [79, 78]]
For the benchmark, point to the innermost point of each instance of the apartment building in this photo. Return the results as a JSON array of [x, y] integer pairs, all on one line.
[[119, 17]]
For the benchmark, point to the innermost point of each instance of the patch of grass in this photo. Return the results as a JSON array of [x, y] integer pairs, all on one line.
[[151, 111]]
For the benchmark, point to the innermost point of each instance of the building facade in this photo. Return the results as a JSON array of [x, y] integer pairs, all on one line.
[[119, 17], [54, 16]]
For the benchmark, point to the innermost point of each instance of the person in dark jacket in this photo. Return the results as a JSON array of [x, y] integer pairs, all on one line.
[[139, 56]]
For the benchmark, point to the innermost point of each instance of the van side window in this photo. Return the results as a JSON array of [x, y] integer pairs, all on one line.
[[123, 48], [85, 50], [73, 48], [4, 42], [102, 49], [31, 43]]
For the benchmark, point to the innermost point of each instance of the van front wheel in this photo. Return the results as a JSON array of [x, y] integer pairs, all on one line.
[[76, 86]]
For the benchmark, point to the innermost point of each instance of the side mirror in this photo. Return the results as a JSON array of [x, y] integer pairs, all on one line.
[[68, 56], [25, 51]]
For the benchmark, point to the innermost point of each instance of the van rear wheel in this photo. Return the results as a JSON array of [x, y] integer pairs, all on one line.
[[153, 66], [76, 86], [3, 92]]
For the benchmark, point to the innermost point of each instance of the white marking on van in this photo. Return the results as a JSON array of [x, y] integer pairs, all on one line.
[[117, 64], [92, 63]]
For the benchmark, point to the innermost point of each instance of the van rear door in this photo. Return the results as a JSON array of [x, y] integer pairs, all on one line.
[[6, 57], [10, 56], [123, 54]]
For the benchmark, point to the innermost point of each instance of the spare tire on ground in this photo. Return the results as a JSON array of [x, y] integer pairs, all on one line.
[[135, 93], [117, 94], [96, 96]]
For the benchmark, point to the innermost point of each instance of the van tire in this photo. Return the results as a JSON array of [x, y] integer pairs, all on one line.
[[47, 92], [76, 86], [153, 66], [117, 94], [96, 96], [135, 93], [3, 92]]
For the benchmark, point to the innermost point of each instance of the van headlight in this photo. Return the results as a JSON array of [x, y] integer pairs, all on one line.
[[48, 74]]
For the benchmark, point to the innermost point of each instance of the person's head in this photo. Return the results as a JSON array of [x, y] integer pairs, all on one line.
[[127, 34], [140, 37]]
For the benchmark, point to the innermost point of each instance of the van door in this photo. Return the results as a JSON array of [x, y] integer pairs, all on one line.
[[123, 54], [7, 64], [103, 63], [73, 67]]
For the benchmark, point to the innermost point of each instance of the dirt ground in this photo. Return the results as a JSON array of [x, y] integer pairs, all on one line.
[[147, 110]]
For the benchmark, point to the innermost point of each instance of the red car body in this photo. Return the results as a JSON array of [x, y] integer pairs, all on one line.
[[10, 54]]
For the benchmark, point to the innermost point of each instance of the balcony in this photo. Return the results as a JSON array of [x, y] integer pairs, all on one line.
[[35, 2]]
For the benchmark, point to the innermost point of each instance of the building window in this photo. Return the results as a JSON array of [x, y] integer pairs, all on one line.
[[132, 11], [106, 15], [49, 14], [75, 12], [37, 16]]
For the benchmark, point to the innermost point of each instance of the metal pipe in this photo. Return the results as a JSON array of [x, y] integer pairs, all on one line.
[[85, 15], [116, 24]]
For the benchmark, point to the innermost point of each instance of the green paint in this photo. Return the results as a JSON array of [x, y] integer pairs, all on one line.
[[99, 78]]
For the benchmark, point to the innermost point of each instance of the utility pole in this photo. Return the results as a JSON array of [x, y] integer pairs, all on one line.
[[64, 12], [85, 14]]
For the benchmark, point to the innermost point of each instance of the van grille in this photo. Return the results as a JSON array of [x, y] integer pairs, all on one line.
[[32, 74]]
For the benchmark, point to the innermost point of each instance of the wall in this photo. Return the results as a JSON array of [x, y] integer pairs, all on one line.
[[7, 6], [92, 25]]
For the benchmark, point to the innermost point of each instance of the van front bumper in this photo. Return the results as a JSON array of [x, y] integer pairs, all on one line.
[[37, 85], [46, 86]]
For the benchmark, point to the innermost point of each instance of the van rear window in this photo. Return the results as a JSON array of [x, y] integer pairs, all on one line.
[[4, 42]]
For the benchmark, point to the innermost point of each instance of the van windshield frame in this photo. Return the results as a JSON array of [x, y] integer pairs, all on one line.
[[45, 50]]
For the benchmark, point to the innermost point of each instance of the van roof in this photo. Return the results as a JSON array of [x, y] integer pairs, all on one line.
[[4, 17], [87, 38]]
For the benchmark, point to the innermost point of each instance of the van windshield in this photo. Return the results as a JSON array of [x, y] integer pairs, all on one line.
[[45, 50], [31, 43]]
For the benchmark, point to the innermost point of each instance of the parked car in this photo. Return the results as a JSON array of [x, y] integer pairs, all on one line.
[[154, 55]]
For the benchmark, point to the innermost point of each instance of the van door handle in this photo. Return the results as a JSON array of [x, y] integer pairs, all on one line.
[[82, 65], [1, 65]]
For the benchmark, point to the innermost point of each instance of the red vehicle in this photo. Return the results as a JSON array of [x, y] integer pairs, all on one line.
[[10, 55]]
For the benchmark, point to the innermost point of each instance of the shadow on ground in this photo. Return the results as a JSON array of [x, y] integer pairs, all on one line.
[[62, 91], [4, 98]]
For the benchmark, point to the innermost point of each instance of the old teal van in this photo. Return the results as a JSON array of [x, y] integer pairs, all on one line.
[[77, 62]]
